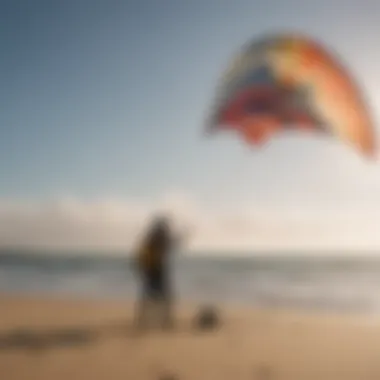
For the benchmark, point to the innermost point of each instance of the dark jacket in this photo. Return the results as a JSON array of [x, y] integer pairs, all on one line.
[[155, 248]]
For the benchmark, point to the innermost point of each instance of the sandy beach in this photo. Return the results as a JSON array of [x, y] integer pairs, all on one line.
[[49, 339]]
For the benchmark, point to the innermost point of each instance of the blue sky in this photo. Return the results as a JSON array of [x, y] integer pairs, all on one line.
[[107, 99]]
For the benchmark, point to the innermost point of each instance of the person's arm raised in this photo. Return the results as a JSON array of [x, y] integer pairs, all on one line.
[[181, 238]]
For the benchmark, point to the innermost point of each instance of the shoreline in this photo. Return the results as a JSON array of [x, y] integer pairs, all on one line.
[[186, 304]]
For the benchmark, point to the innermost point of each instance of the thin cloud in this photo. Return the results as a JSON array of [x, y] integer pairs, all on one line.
[[111, 225]]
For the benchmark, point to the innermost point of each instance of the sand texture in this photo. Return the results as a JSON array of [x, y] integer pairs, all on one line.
[[50, 339]]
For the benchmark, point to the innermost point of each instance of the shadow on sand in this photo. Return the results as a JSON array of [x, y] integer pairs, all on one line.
[[35, 339], [38, 339]]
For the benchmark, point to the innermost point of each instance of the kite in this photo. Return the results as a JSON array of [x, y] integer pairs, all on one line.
[[290, 82]]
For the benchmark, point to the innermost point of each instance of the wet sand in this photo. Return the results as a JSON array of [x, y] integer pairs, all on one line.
[[50, 339]]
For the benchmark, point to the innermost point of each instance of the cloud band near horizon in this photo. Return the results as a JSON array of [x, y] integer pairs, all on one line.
[[112, 225]]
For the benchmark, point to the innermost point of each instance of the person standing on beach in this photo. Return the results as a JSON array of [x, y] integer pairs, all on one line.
[[153, 267]]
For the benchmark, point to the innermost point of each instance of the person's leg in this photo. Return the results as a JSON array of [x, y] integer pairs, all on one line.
[[142, 305], [156, 294], [167, 302], [155, 291]]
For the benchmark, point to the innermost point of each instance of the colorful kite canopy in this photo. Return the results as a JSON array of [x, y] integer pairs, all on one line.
[[289, 82]]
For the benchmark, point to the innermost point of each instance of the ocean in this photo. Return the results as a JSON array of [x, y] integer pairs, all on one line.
[[344, 284]]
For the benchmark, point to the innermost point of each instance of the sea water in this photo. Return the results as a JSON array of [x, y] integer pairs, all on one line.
[[345, 284]]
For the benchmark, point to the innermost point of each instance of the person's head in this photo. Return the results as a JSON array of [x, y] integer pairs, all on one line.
[[160, 224]]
